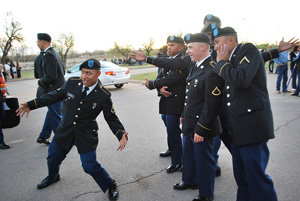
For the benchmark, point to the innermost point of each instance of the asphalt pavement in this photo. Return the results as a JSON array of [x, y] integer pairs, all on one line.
[[138, 170]]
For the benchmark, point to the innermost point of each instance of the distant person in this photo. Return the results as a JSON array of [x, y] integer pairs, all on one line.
[[18, 70], [86, 98], [14, 69], [271, 66], [159, 54], [6, 69], [3, 145], [294, 54], [49, 69], [282, 71], [297, 71], [104, 59]]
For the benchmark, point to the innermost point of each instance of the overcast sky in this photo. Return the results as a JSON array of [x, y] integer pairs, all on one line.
[[97, 24]]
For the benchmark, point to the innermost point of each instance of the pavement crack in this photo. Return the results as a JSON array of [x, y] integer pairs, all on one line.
[[286, 124], [86, 193], [138, 180], [141, 178]]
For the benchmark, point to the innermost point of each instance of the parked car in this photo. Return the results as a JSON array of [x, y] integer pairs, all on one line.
[[111, 74]]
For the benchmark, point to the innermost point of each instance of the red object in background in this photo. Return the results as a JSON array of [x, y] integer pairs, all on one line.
[[270, 47], [112, 73]]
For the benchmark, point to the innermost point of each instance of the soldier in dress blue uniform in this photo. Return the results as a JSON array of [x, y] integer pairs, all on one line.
[[170, 85], [210, 23], [85, 98], [49, 69], [249, 111], [200, 123]]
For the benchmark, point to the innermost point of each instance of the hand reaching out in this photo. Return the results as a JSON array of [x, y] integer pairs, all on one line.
[[123, 141]]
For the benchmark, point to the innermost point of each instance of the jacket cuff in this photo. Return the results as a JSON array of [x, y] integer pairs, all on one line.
[[202, 130], [151, 85], [40, 83], [32, 104], [150, 60], [119, 134]]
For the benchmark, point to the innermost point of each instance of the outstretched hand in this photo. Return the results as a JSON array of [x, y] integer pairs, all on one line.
[[24, 109], [123, 141], [138, 55], [287, 45], [146, 83]]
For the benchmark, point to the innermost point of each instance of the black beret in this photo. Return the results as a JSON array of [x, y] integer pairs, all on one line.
[[44, 36], [91, 64], [212, 19], [209, 28], [226, 31], [197, 37], [175, 39]]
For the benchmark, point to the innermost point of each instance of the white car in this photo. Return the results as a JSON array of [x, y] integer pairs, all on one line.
[[111, 74]]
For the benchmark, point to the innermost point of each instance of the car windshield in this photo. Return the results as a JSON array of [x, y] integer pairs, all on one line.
[[75, 69], [107, 64]]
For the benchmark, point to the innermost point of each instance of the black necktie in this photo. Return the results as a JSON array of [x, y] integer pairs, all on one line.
[[84, 92]]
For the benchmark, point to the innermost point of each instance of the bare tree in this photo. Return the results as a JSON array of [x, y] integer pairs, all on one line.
[[63, 45], [123, 50], [149, 46], [12, 34]]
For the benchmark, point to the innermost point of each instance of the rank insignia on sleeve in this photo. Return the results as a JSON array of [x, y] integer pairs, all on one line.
[[216, 92], [245, 58]]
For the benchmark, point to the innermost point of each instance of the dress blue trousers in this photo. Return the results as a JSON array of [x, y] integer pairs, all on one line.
[[89, 163], [172, 123], [217, 146], [199, 166], [282, 75], [53, 118], [249, 165]]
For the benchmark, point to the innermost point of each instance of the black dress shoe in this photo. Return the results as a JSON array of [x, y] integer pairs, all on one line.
[[45, 183], [218, 172], [113, 192], [4, 146], [165, 154], [203, 198], [183, 186], [42, 140], [173, 168]]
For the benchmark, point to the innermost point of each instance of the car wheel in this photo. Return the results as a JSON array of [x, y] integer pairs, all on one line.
[[119, 85]]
